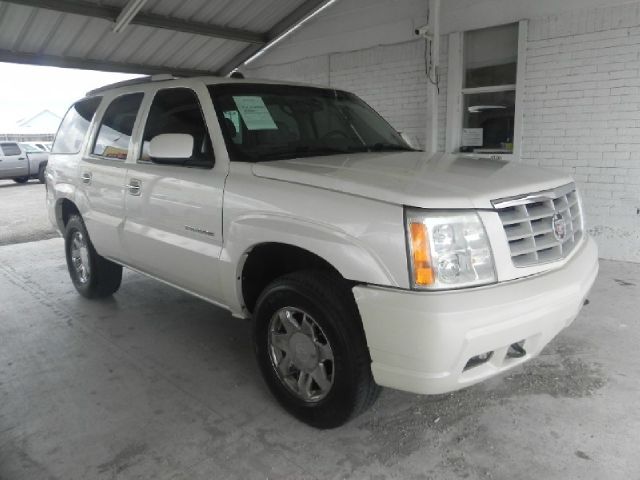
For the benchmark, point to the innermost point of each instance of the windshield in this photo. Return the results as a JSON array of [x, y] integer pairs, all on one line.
[[30, 148], [275, 122]]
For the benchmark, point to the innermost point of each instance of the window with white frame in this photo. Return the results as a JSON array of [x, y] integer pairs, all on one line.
[[482, 108]]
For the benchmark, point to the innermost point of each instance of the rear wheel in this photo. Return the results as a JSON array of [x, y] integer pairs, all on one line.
[[21, 179], [92, 275], [311, 348]]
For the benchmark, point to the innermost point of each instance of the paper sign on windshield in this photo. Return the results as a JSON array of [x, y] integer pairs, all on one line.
[[254, 112]]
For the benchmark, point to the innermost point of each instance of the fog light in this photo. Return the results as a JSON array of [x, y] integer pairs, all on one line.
[[516, 350], [478, 360]]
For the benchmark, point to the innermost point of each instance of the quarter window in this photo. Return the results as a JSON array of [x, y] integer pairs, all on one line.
[[114, 136], [177, 110], [74, 126]]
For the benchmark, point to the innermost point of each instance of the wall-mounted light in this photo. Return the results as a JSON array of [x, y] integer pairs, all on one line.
[[129, 11], [484, 108], [289, 31]]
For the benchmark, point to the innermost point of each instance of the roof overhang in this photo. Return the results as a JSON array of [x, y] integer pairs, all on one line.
[[186, 38]]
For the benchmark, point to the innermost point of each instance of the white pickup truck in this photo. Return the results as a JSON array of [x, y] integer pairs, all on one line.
[[360, 261], [20, 162]]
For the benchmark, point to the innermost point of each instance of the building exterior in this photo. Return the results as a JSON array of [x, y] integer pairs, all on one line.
[[39, 127], [549, 83]]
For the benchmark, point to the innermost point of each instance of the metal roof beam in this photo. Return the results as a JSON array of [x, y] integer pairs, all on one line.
[[305, 10], [111, 14], [87, 64]]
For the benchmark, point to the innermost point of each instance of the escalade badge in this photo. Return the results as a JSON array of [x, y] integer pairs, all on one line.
[[559, 226], [199, 230]]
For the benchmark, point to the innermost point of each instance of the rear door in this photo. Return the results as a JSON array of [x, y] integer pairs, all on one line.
[[102, 173], [173, 227], [14, 162]]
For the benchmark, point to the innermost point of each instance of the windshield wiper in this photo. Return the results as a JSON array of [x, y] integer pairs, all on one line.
[[305, 151], [384, 147], [389, 147]]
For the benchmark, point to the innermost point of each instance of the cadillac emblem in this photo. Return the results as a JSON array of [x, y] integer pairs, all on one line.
[[559, 226]]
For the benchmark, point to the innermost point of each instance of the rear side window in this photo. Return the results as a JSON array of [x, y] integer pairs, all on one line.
[[116, 128], [74, 126], [177, 110], [10, 149]]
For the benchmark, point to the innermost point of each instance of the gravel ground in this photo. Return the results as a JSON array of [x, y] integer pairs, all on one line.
[[23, 213]]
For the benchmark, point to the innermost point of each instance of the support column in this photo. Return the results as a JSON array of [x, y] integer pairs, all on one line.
[[433, 62]]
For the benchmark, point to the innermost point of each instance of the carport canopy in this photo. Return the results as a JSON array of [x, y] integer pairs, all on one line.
[[184, 37]]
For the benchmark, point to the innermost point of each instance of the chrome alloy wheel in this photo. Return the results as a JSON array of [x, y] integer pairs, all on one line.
[[80, 257], [301, 354]]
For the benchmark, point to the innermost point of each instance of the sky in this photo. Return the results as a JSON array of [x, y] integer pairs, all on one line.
[[26, 90]]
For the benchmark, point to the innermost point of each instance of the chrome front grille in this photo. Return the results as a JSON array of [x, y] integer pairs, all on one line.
[[541, 227]]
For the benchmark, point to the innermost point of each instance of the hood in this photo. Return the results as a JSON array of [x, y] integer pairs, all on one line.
[[414, 179]]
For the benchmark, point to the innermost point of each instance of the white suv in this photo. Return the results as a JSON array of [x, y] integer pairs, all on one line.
[[361, 261]]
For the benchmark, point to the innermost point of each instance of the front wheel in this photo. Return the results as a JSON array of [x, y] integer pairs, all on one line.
[[311, 348], [21, 179], [92, 275], [41, 178]]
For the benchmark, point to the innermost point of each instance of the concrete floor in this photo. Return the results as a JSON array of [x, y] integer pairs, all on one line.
[[156, 384], [23, 216]]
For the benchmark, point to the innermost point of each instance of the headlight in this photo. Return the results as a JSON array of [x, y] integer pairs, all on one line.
[[448, 249]]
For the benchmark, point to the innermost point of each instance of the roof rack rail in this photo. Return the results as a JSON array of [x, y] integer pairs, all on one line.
[[134, 81]]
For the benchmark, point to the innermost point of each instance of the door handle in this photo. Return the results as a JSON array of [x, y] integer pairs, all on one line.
[[86, 178], [21, 158], [134, 186]]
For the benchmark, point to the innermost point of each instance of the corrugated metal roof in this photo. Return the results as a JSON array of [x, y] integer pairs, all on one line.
[[181, 37]]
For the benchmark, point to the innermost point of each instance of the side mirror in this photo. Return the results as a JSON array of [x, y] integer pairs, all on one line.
[[409, 140], [171, 148]]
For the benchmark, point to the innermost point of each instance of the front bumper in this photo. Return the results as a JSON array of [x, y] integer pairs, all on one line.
[[421, 341]]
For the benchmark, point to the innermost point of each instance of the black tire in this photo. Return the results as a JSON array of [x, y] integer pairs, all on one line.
[[327, 299], [103, 277], [41, 178], [21, 179]]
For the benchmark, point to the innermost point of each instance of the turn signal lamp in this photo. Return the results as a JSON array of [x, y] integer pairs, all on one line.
[[421, 256]]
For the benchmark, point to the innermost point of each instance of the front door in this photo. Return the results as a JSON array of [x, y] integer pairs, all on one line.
[[173, 227], [102, 175], [13, 161]]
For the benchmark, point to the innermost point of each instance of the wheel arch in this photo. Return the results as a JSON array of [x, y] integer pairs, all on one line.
[[63, 210], [264, 262]]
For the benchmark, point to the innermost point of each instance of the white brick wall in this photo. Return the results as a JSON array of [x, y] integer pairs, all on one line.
[[582, 115]]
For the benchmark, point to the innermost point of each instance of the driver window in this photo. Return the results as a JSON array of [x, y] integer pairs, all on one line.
[[177, 110]]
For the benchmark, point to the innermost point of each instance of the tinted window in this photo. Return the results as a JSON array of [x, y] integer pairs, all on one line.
[[75, 125], [177, 110], [273, 122], [116, 128], [10, 149]]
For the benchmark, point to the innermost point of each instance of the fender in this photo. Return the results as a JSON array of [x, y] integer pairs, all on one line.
[[362, 238], [56, 195], [349, 255]]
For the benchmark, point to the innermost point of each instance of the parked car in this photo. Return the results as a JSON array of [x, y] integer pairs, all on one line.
[[21, 162], [361, 261]]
